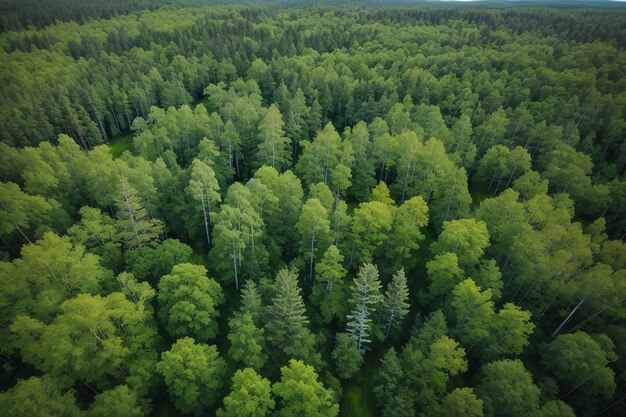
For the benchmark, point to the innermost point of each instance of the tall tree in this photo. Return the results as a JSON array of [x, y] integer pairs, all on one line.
[[237, 233], [314, 228], [329, 289], [472, 310], [395, 304], [38, 397], [579, 362], [371, 224], [364, 301], [139, 228], [405, 236], [274, 147], [203, 187], [113, 342], [462, 402], [287, 326]]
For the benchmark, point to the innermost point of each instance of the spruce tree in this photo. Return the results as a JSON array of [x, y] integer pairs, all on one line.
[[287, 327], [365, 299], [396, 306]]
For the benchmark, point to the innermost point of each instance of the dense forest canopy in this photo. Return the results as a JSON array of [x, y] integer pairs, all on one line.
[[278, 210]]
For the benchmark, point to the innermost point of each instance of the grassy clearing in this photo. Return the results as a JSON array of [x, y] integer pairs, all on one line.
[[120, 143], [358, 398]]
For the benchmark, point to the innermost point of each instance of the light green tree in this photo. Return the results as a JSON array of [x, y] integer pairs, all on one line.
[[301, 394], [250, 396], [204, 188], [189, 302], [314, 228], [274, 147], [193, 373]]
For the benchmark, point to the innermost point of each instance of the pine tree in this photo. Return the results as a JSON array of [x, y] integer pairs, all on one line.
[[365, 299], [287, 326], [396, 306]]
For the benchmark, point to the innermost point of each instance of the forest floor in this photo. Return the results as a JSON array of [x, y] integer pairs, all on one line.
[[120, 143]]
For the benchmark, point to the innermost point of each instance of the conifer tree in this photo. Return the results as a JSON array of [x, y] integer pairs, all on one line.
[[395, 305], [365, 299], [287, 327]]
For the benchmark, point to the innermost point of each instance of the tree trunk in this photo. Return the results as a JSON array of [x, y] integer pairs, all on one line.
[[312, 247]]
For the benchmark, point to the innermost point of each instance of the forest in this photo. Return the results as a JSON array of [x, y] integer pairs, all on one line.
[[311, 210]]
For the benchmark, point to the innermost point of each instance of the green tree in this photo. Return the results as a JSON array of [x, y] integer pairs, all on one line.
[[314, 228], [274, 147], [193, 373], [139, 228], [287, 326], [38, 397], [98, 233], [556, 408], [113, 340], [347, 358], [579, 363], [203, 187], [50, 271], [462, 402], [323, 156], [250, 396], [154, 262], [301, 394], [119, 401], [510, 330], [329, 289], [472, 310], [237, 233], [395, 305], [507, 389], [246, 341], [405, 236], [22, 216], [467, 238], [382, 194], [189, 302], [364, 301], [371, 225], [444, 274]]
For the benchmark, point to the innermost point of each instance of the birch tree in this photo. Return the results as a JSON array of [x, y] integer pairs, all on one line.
[[204, 188], [329, 289], [408, 220], [139, 228], [314, 228], [237, 233]]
